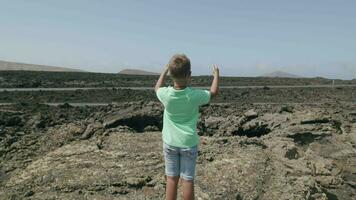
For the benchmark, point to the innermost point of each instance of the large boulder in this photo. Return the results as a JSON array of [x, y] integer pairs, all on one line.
[[250, 114]]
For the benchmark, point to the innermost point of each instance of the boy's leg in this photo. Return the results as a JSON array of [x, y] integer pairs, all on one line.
[[171, 188], [188, 189], [171, 160], [188, 158]]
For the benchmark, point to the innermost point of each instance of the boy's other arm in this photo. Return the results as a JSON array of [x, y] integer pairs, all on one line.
[[214, 89], [160, 81]]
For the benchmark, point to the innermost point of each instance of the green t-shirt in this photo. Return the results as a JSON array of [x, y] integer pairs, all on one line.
[[181, 113]]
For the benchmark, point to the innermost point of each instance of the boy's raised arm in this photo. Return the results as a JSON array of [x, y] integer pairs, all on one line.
[[214, 89], [160, 81]]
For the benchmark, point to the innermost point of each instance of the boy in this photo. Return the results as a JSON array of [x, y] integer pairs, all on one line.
[[181, 112]]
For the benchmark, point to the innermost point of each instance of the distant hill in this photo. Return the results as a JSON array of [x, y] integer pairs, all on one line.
[[137, 72], [280, 74], [15, 66]]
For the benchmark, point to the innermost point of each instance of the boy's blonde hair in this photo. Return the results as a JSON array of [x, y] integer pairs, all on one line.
[[179, 66]]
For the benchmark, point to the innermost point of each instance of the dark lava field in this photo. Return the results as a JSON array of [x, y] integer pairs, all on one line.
[[256, 143], [36, 79]]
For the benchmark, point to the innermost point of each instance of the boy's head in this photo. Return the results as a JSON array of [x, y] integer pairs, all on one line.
[[179, 67]]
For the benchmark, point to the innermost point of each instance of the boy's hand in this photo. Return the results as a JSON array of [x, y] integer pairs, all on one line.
[[166, 69], [160, 81], [214, 89], [215, 70]]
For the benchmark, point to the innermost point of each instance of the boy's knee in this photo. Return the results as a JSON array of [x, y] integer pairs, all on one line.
[[173, 178], [188, 181]]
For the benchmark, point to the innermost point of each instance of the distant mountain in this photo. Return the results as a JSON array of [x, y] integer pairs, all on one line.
[[137, 72], [280, 74], [5, 65]]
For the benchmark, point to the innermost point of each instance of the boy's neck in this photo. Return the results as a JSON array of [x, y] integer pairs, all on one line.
[[179, 86]]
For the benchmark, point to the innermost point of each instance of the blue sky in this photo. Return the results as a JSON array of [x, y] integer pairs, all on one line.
[[246, 38]]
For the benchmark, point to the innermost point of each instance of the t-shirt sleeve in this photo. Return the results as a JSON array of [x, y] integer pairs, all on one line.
[[161, 94], [202, 97]]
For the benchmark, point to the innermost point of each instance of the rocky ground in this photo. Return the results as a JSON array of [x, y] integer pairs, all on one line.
[[247, 151], [240, 95], [38, 79]]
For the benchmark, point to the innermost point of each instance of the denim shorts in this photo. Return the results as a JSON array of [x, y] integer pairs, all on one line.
[[180, 161]]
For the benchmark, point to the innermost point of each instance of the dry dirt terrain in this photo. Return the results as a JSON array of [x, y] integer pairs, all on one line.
[[247, 151], [15, 66], [256, 144]]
